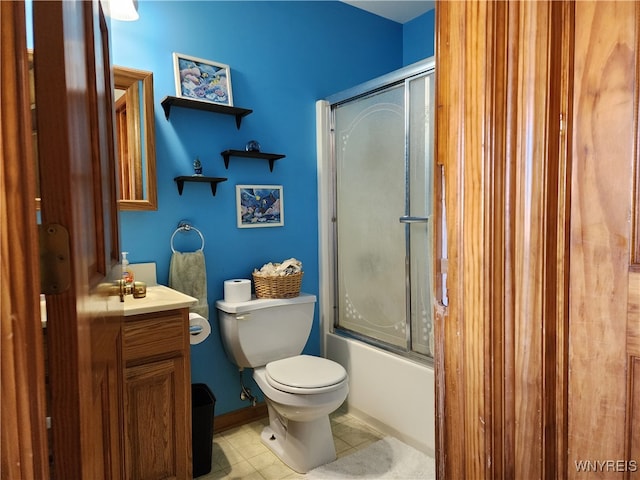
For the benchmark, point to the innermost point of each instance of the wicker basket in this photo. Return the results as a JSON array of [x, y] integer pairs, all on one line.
[[286, 286]]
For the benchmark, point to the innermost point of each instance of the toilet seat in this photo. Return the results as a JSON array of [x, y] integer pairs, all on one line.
[[305, 374]]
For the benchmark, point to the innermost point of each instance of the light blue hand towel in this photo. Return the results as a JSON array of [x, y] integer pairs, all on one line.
[[188, 274]]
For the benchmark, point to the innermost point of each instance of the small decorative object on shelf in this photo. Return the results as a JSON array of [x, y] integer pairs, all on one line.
[[252, 146], [197, 167]]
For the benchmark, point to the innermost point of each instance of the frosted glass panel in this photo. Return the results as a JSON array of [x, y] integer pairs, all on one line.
[[421, 94], [384, 168], [370, 171]]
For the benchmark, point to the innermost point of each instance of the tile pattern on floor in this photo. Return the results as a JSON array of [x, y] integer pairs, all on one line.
[[239, 453]]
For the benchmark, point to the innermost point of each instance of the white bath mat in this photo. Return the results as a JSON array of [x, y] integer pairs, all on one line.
[[386, 458]]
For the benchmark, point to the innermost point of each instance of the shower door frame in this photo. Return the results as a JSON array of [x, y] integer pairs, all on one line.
[[330, 265]]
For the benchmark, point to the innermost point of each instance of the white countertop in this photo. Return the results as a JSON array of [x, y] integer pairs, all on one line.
[[159, 298]]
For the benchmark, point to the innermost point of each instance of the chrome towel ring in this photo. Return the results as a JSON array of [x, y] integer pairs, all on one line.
[[186, 227]]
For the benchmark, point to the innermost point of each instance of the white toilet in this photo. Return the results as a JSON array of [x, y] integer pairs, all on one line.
[[301, 391]]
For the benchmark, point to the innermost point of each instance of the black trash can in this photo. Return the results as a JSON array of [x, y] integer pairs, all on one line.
[[202, 405]]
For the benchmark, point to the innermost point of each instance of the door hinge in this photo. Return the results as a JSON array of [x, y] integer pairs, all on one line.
[[55, 261]]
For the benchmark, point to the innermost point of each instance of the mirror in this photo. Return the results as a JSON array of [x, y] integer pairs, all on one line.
[[135, 133]]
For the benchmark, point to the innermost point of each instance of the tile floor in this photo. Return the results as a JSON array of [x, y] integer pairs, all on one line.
[[239, 454]]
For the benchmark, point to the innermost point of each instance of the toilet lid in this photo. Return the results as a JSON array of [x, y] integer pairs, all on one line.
[[304, 372]]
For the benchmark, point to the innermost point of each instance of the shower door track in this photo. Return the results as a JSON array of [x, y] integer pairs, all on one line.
[[382, 345]]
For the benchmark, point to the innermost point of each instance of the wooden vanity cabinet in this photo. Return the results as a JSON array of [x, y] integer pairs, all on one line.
[[157, 395]]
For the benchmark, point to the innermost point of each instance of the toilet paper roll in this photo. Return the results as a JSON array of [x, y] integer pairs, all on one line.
[[199, 328], [237, 290]]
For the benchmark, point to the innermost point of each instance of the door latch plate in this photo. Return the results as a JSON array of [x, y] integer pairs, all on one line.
[[55, 261]]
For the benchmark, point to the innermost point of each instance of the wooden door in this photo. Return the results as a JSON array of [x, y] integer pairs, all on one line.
[[77, 187], [538, 352], [604, 316]]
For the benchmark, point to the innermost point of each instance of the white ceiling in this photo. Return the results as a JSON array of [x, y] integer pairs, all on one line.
[[397, 10]]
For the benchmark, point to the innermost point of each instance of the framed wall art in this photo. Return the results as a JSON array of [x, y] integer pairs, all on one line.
[[204, 80], [259, 206]]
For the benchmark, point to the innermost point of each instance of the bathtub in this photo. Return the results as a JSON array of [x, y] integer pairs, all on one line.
[[393, 394]]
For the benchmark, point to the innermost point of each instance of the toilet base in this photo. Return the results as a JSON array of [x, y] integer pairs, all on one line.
[[302, 446]]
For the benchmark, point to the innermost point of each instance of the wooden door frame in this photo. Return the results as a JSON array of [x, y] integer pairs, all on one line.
[[24, 432], [502, 138]]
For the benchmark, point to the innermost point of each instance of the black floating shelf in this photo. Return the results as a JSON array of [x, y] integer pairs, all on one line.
[[272, 157], [169, 101], [213, 181]]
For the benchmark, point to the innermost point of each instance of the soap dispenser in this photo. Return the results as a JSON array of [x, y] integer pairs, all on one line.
[[127, 273]]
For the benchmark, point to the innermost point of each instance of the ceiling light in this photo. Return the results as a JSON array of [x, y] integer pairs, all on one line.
[[125, 10]]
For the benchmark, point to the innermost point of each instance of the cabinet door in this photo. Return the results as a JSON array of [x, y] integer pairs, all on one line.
[[158, 423]]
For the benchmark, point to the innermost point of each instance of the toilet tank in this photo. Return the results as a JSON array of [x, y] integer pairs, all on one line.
[[260, 331]]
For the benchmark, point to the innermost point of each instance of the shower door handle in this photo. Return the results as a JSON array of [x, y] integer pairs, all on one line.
[[408, 219]]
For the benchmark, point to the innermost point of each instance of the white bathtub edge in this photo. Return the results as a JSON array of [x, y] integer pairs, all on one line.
[[395, 395]]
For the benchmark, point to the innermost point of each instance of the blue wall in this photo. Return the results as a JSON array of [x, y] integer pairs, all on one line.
[[283, 57], [419, 38]]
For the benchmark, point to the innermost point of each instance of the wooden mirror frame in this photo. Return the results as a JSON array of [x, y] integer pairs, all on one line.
[[135, 128]]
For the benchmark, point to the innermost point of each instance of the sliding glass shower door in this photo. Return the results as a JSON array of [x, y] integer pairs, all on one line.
[[383, 145]]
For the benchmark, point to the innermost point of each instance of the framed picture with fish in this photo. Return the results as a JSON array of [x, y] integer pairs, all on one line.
[[259, 206], [203, 80]]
